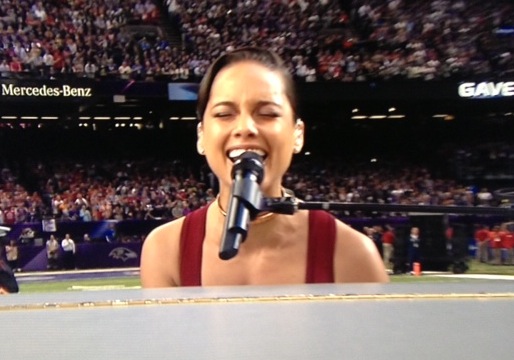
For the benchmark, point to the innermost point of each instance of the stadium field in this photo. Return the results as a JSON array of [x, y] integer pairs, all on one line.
[[128, 278]]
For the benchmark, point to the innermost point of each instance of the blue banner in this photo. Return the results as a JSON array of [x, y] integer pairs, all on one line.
[[87, 256]]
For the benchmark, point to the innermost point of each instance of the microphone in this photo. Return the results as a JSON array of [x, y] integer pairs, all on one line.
[[245, 199]]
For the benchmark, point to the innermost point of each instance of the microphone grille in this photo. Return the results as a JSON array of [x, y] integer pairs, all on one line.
[[249, 161]]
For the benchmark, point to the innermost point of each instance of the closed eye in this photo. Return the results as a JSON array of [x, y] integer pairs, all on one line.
[[270, 115], [223, 115]]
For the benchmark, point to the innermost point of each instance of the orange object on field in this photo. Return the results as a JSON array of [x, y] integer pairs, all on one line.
[[416, 268]]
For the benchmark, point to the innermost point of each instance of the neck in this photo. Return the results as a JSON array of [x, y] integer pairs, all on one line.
[[261, 217], [223, 197]]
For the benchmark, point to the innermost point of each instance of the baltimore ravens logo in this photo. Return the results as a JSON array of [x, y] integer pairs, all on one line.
[[123, 254]]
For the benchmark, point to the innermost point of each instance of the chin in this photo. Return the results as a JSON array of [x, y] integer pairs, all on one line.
[[271, 188]]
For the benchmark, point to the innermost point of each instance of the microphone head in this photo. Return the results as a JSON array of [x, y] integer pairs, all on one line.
[[249, 161]]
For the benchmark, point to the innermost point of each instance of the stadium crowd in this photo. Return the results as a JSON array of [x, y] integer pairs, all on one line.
[[165, 190], [78, 38], [321, 40], [150, 189], [367, 40]]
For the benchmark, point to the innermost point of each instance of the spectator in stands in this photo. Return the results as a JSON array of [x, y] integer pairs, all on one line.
[[15, 65], [85, 214], [247, 102], [125, 70], [484, 197], [5, 69]]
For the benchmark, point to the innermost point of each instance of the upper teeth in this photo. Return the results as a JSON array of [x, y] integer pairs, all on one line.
[[238, 152]]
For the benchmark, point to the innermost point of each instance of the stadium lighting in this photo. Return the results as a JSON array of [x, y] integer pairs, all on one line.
[[9, 117], [359, 117]]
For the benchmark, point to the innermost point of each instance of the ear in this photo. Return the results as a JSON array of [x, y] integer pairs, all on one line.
[[298, 136], [199, 139]]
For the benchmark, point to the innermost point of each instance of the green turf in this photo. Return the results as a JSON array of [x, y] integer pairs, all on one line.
[[133, 281], [79, 285], [476, 267], [427, 279]]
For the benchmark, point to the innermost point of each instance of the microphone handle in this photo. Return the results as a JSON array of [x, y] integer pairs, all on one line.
[[235, 229], [243, 207]]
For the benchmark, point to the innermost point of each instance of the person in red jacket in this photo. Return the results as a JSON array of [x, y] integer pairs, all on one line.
[[482, 243], [495, 243], [388, 245], [508, 246]]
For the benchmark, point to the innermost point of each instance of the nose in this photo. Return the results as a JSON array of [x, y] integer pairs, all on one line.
[[245, 126]]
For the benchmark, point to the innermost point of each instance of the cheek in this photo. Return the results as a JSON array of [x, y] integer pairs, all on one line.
[[213, 141], [212, 137], [283, 139]]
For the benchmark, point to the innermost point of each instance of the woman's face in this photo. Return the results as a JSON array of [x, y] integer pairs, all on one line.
[[248, 110]]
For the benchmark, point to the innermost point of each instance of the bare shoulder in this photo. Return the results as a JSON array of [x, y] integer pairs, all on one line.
[[160, 260], [356, 257]]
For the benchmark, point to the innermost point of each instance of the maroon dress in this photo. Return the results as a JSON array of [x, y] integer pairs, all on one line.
[[320, 253]]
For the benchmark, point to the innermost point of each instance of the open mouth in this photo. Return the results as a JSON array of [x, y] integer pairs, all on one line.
[[235, 153]]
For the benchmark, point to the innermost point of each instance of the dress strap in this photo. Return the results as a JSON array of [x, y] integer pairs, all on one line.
[[320, 256], [191, 242]]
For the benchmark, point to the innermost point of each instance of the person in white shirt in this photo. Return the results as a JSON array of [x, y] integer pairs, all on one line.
[[11, 254], [69, 249], [52, 253]]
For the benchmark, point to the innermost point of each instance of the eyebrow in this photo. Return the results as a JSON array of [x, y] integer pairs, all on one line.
[[259, 103]]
